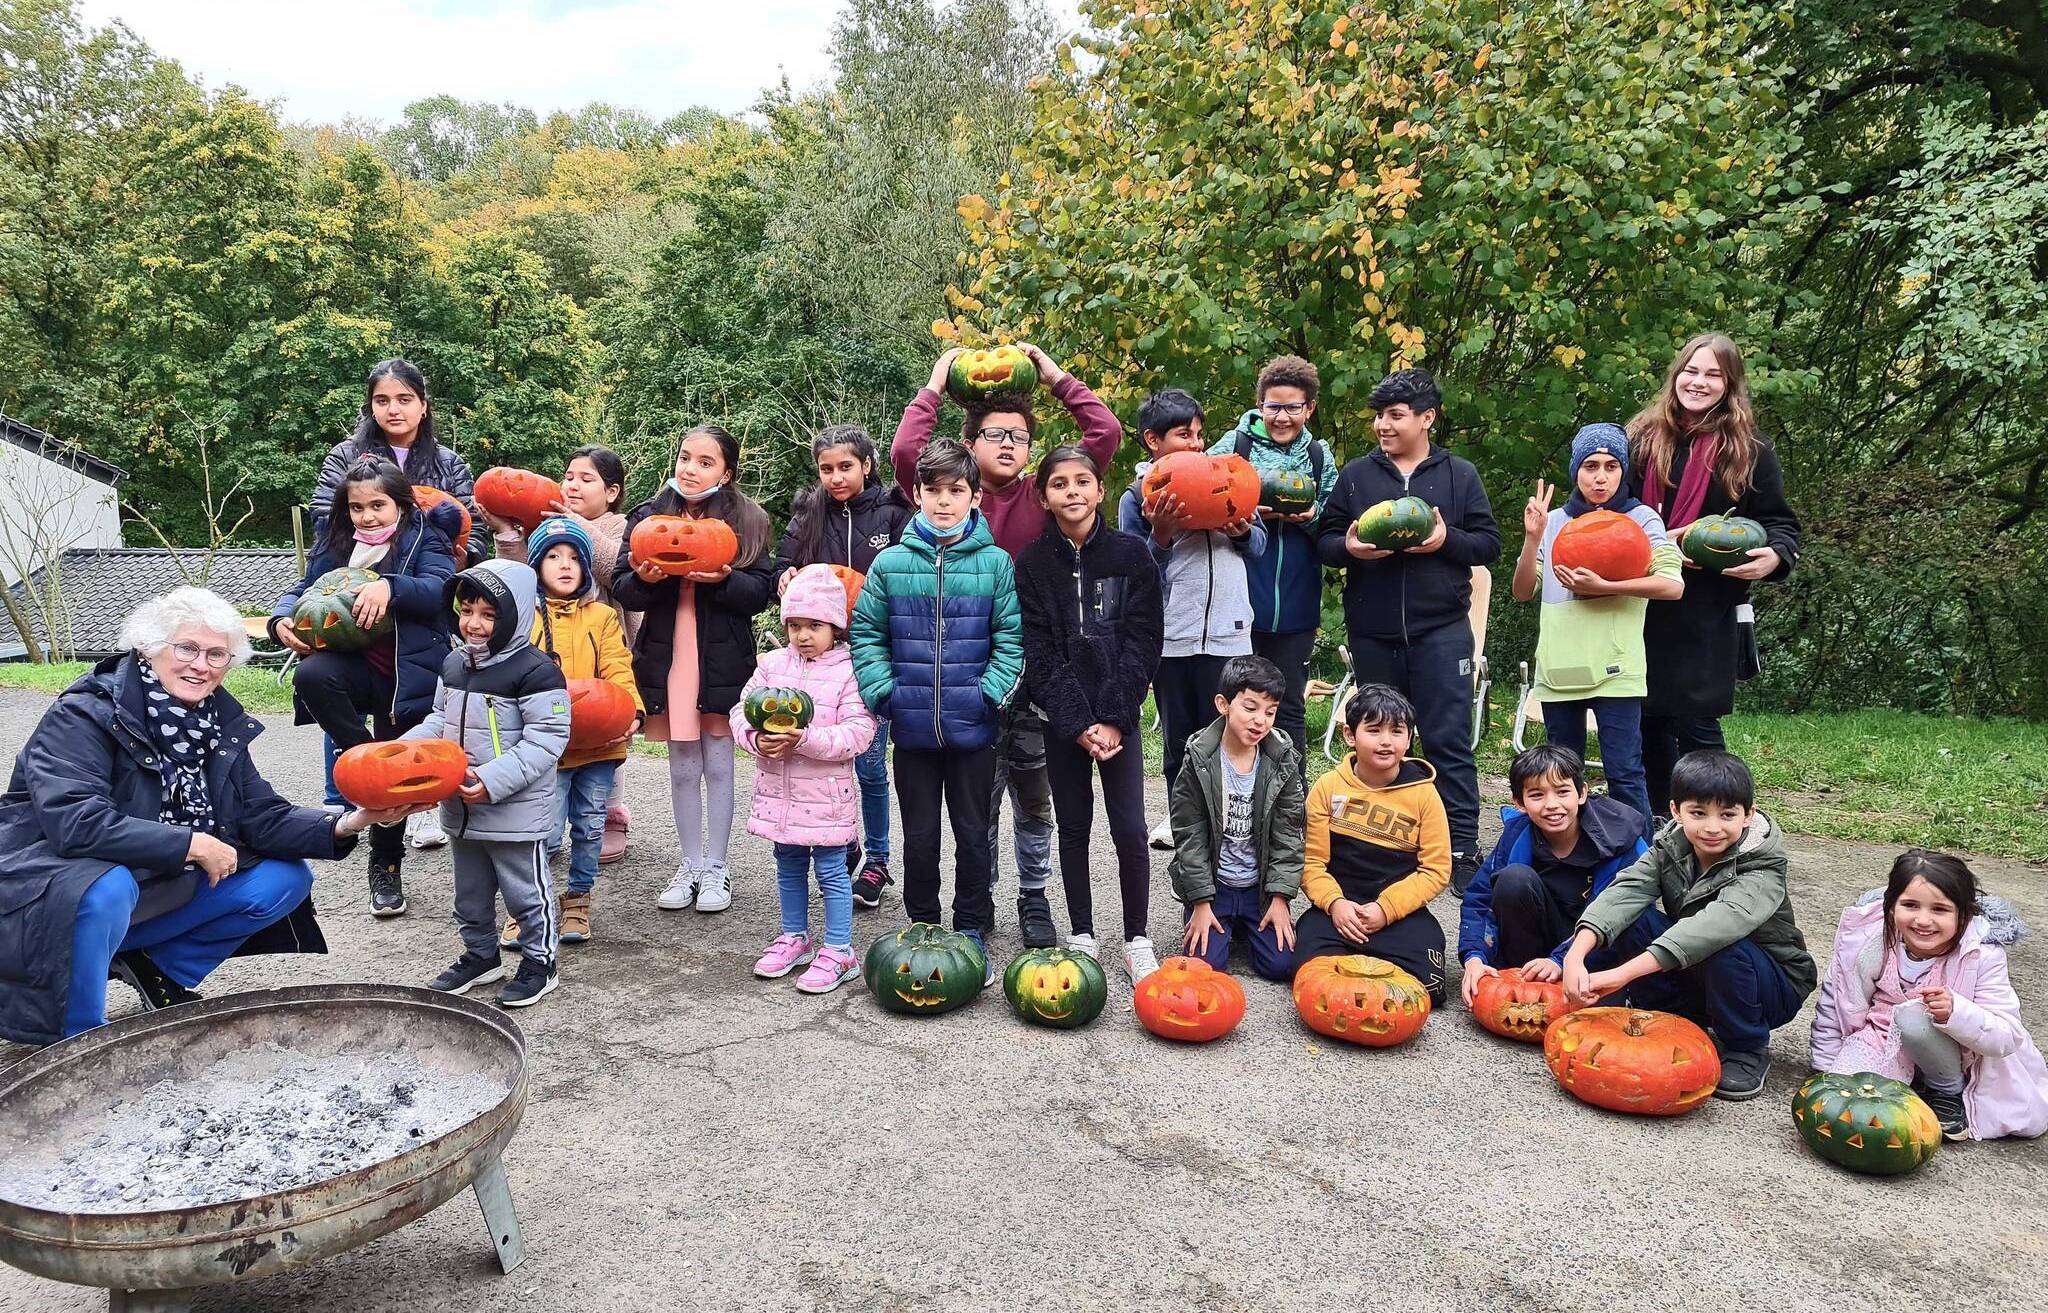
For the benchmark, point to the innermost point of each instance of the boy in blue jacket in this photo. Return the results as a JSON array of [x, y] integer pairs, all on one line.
[[1558, 849]]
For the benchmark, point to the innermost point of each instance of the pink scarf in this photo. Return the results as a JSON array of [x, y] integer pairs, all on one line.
[[1692, 485]]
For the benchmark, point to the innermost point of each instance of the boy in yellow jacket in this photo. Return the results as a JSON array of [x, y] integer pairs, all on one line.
[[1379, 847], [582, 633]]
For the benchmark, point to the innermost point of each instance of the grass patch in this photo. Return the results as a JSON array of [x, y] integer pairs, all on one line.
[[256, 689]]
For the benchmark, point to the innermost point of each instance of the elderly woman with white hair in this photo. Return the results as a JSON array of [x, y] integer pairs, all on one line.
[[137, 840]]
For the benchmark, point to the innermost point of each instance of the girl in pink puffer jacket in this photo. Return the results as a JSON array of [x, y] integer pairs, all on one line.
[[805, 799]]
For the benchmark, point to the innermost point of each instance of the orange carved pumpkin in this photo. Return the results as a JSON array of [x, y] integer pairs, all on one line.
[[599, 712], [401, 772], [1212, 490], [1609, 544], [1187, 999], [681, 544], [521, 496], [1360, 999], [427, 499], [1508, 1005], [1653, 1063]]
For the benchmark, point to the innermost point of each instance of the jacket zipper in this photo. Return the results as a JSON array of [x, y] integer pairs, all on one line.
[[1080, 597], [939, 643], [1404, 576], [847, 507]]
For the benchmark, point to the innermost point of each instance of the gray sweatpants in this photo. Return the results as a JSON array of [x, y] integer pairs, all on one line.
[[1937, 1058], [519, 872]]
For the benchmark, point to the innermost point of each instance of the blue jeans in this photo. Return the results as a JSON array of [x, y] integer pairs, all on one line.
[[1741, 991], [871, 768], [333, 797], [186, 943], [580, 799], [1237, 912], [1621, 743], [792, 881]]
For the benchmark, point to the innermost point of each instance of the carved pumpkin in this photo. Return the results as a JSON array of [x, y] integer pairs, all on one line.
[[1866, 1122], [1715, 542], [599, 712], [1627, 1060], [923, 970], [1508, 1005], [324, 618], [427, 499], [683, 544], [1397, 523], [1609, 544], [1289, 492], [978, 375], [521, 496], [400, 773], [779, 710], [1360, 999], [852, 579], [1187, 999], [1055, 987], [1213, 490]]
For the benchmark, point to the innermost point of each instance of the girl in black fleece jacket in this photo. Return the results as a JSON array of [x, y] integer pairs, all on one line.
[[1093, 627]]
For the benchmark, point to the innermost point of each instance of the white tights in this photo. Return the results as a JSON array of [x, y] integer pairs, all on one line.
[[700, 785]]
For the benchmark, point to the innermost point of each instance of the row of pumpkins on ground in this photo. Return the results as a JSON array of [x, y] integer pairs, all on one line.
[[1623, 1059]]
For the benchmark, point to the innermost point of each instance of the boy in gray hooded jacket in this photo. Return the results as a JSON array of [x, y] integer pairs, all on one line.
[[507, 704]]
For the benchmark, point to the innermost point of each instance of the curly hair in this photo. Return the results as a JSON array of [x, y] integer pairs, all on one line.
[[151, 626]]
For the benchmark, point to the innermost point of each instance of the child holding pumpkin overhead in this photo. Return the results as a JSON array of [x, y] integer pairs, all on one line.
[[1378, 847], [694, 652], [373, 524], [1918, 991], [804, 788], [1589, 644]]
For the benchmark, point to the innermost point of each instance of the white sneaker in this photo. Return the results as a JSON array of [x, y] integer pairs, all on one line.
[[1139, 960], [423, 829], [1084, 944], [1162, 835], [714, 888], [681, 891]]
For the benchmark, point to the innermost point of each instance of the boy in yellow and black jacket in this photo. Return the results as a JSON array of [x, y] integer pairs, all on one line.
[[1378, 846]]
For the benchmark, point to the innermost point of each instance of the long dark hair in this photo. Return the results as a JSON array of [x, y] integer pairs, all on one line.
[[807, 508], [390, 480], [741, 513], [608, 466], [1951, 878], [370, 438]]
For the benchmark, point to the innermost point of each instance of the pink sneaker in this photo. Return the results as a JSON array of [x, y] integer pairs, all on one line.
[[616, 825], [785, 955], [832, 968]]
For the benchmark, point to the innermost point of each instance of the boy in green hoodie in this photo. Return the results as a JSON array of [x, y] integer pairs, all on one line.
[[1702, 923]]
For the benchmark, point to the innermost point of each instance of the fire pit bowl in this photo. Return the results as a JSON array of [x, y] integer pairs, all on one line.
[[53, 1105]]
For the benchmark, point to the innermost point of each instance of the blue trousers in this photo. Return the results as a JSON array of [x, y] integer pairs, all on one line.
[[1740, 991], [1621, 742], [835, 887], [333, 796], [186, 943], [871, 768], [1238, 912], [581, 796]]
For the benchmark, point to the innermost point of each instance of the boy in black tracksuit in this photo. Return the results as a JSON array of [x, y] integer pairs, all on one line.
[[1406, 613]]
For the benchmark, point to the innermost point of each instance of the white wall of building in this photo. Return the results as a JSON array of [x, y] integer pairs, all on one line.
[[47, 508]]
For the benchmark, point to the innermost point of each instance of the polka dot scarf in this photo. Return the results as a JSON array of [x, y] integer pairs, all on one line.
[[185, 737]]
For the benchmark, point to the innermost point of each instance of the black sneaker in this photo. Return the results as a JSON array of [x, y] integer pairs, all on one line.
[[1949, 1111], [853, 855], [1742, 1075], [868, 885], [530, 984], [468, 971], [387, 889], [1463, 867], [1034, 920], [135, 969]]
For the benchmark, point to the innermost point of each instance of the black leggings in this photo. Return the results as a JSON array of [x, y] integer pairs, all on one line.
[[1070, 770], [338, 690], [1665, 740]]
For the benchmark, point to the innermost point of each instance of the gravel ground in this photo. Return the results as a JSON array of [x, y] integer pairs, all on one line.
[[700, 1137]]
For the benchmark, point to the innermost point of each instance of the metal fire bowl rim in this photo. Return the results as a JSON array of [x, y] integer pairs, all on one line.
[[233, 1216]]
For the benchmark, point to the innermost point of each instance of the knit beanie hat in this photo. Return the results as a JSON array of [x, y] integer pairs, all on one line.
[[815, 593], [556, 530], [1609, 438]]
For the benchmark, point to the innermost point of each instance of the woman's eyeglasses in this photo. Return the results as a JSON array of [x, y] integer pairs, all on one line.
[[217, 657]]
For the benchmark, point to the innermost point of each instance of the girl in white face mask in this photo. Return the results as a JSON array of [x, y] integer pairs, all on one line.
[[695, 651]]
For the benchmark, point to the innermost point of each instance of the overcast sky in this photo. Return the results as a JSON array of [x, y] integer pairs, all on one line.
[[323, 59]]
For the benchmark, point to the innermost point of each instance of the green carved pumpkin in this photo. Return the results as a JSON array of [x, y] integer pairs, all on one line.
[[779, 710], [1865, 1122], [325, 618], [1393, 525], [978, 375], [1715, 542], [1055, 987], [1290, 492], [923, 970]]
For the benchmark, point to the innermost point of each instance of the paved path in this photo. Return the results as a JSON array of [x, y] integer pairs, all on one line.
[[701, 1139]]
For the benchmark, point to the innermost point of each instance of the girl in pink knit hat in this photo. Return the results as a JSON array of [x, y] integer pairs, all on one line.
[[805, 798]]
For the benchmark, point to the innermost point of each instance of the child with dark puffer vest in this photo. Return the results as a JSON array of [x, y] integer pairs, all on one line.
[[1378, 848]]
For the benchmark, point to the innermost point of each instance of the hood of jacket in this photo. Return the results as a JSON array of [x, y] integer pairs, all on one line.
[[1759, 845], [514, 590], [1611, 827]]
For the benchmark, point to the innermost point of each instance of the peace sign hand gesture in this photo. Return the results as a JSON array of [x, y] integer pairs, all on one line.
[[1537, 512]]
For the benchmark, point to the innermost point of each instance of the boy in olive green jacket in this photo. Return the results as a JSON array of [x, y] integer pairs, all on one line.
[[1702, 923]]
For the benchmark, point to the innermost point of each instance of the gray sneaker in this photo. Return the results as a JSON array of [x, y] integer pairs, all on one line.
[[1950, 1112], [1742, 1075]]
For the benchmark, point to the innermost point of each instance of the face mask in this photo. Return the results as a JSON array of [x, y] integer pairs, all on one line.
[[711, 491], [376, 537]]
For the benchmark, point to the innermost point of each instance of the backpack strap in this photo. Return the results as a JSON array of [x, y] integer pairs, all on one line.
[[1244, 444]]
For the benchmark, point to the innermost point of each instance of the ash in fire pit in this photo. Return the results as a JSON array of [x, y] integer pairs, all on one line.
[[253, 1123]]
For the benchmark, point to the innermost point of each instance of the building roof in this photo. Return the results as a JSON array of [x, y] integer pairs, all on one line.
[[63, 453], [101, 586]]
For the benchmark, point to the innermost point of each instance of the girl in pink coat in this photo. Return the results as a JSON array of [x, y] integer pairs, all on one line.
[[1918, 989], [805, 798]]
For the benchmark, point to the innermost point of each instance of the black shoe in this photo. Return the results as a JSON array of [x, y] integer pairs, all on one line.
[[387, 889], [853, 855], [468, 971], [1742, 1075], [1034, 920], [1463, 867], [158, 990], [1949, 1111], [868, 885], [530, 984]]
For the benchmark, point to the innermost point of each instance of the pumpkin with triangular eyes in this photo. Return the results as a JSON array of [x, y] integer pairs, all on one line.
[[1187, 999], [923, 970], [325, 616]]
